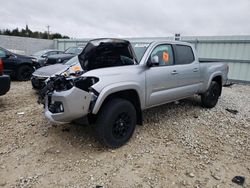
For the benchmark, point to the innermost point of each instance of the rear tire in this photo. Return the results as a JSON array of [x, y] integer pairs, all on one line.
[[210, 98], [116, 123], [24, 72]]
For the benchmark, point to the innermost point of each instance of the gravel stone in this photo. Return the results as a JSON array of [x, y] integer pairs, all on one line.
[[180, 145]]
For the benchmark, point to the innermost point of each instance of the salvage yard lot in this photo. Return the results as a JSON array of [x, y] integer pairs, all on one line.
[[179, 145]]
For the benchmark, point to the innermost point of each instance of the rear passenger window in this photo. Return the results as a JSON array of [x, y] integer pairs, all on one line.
[[184, 54], [164, 53]]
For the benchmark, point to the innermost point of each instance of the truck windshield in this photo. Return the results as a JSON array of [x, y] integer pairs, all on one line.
[[139, 49], [103, 53]]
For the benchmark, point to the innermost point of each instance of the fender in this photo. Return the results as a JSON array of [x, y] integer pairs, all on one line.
[[213, 75], [115, 88]]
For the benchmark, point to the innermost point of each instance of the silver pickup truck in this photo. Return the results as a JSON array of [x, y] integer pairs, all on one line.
[[117, 82]]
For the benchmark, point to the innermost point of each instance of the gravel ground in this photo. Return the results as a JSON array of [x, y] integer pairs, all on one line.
[[179, 145]]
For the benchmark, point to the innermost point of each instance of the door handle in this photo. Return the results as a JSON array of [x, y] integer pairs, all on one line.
[[174, 72], [195, 70]]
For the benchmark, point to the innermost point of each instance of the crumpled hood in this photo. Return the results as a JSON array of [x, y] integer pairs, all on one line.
[[50, 70]]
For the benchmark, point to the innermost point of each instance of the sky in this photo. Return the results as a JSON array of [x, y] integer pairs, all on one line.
[[129, 18]]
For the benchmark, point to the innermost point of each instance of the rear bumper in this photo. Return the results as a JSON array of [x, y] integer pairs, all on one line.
[[4, 84], [75, 104]]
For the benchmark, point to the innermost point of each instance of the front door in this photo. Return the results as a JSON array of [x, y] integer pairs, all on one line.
[[161, 80]]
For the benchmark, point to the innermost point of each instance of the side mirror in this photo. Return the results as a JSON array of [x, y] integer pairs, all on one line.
[[153, 61], [44, 55]]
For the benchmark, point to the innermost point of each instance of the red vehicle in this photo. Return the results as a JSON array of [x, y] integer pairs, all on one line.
[[4, 80]]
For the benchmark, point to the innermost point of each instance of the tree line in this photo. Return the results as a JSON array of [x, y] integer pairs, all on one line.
[[28, 33]]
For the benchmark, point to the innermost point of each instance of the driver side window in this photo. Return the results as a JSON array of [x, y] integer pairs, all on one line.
[[2, 53], [164, 53]]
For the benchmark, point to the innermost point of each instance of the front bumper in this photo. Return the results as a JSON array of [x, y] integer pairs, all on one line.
[[75, 104], [4, 84]]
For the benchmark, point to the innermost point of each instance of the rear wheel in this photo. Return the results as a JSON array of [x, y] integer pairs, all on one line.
[[116, 123], [24, 72], [210, 98]]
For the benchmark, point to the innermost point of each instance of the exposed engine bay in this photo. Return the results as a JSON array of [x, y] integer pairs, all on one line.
[[63, 83], [100, 53]]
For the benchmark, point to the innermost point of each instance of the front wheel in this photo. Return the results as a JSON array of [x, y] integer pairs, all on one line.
[[210, 98], [24, 72], [116, 123]]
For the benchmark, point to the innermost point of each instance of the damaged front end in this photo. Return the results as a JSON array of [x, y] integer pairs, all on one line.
[[68, 98]]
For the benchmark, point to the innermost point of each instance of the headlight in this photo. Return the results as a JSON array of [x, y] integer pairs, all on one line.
[[84, 83], [59, 60], [34, 59]]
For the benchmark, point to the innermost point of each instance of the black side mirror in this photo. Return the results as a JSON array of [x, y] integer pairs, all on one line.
[[153, 61]]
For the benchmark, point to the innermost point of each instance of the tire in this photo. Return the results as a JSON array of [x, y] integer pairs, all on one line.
[[115, 123], [24, 72], [210, 98]]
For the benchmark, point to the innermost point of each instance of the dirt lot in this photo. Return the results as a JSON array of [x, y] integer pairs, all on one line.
[[179, 145]]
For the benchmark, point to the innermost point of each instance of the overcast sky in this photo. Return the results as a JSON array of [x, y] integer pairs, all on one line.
[[129, 18]]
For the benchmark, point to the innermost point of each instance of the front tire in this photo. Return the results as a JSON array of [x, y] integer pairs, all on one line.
[[24, 72], [116, 123], [210, 98]]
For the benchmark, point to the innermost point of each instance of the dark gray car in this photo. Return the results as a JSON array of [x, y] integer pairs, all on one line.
[[42, 55]]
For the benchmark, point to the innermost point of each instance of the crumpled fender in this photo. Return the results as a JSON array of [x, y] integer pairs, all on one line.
[[113, 88]]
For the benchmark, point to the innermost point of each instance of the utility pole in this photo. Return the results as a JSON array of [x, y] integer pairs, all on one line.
[[48, 26]]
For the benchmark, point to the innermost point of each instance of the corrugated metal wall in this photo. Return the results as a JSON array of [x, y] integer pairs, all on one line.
[[233, 49], [25, 45]]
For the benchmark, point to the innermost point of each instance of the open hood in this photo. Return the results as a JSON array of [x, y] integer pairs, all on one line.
[[102, 53]]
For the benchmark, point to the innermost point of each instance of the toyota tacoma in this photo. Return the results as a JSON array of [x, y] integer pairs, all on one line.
[[117, 82]]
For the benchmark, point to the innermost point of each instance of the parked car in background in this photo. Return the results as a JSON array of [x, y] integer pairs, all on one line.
[[62, 58], [42, 74], [4, 81], [115, 86], [41, 56], [18, 66]]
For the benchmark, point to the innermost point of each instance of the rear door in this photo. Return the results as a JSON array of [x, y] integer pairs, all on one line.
[[161, 80], [187, 70]]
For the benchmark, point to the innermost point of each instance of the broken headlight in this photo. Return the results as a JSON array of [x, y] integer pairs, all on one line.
[[85, 83]]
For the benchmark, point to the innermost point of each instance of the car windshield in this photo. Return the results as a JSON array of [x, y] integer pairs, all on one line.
[[103, 53], [139, 49], [72, 61], [40, 53], [74, 50]]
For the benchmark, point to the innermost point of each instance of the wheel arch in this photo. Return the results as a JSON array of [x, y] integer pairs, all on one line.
[[130, 94], [217, 77], [21, 65]]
